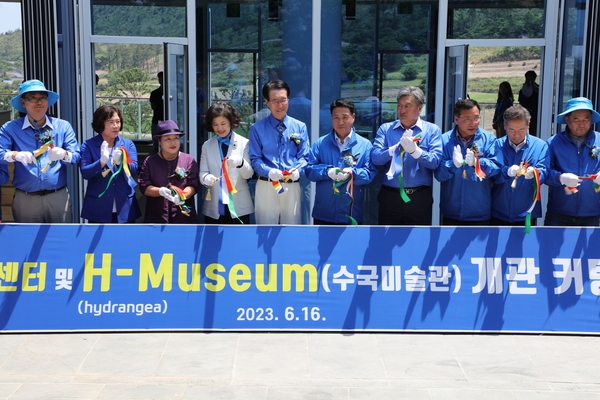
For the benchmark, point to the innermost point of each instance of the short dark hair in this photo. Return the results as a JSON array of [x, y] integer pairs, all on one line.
[[221, 109], [104, 113], [342, 103], [464, 105], [274, 85], [517, 113]]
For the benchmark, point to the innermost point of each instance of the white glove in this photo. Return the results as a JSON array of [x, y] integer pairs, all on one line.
[[470, 158], [24, 157], [166, 193], [512, 171], [117, 156], [529, 173], [56, 153], [275, 174], [408, 133], [569, 179], [337, 175], [408, 144], [393, 149], [332, 173], [457, 157], [295, 175], [597, 180], [209, 180], [104, 152], [235, 161]]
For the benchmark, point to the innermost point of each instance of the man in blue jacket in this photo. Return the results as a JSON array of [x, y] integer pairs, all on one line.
[[515, 187], [574, 168], [409, 149], [340, 164], [470, 158], [41, 147]]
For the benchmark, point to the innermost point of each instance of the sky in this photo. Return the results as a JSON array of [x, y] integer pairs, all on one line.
[[10, 16]]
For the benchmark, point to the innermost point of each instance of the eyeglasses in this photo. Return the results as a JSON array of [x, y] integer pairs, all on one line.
[[114, 121], [468, 120], [279, 102], [36, 99]]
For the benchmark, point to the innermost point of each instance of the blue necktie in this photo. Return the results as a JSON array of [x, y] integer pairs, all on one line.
[[280, 127], [224, 144]]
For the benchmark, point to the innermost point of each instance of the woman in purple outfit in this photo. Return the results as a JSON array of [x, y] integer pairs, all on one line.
[[169, 179]]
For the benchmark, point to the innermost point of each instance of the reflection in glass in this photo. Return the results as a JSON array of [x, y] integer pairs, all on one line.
[[165, 18], [510, 19]]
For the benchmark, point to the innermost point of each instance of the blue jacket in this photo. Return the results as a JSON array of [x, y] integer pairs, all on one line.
[[325, 154], [468, 198], [508, 203], [416, 172], [3, 180], [566, 157], [100, 209]]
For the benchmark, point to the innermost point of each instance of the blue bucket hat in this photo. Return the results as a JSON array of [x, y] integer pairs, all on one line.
[[578, 103], [32, 85]]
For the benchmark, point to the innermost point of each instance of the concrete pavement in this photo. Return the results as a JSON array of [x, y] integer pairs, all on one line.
[[290, 366]]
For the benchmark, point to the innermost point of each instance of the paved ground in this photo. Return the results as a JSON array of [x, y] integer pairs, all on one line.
[[298, 366]]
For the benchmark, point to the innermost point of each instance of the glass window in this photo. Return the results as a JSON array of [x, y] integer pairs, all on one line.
[[509, 19], [127, 73], [233, 26], [142, 18]]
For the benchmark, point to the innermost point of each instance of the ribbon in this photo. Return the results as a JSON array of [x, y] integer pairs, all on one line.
[[277, 186], [124, 166], [175, 191], [226, 192], [349, 191], [478, 171], [591, 178], [397, 166], [40, 152], [520, 172], [536, 198]]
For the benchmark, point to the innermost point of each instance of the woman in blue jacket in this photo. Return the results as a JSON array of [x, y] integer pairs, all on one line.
[[109, 164]]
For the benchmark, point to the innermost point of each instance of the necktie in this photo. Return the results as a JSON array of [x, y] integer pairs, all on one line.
[[280, 128]]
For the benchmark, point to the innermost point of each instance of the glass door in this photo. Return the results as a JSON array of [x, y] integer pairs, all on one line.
[[456, 81], [175, 86]]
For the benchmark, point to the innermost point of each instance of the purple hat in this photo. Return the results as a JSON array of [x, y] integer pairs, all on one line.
[[32, 85], [578, 103], [168, 127]]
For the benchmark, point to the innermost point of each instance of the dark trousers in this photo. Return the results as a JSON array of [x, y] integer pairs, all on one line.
[[499, 222], [553, 219], [321, 222], [455, 222], [394, 211]]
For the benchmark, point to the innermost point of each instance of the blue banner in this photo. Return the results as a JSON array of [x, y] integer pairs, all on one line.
[[168, 277]]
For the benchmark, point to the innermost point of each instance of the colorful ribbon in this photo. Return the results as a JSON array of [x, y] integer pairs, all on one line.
[[124, 166], [175, 191], [536, 198], [397, 167], [226, 192], [520, 172], [349, 190], [40, 152], [478, 171]]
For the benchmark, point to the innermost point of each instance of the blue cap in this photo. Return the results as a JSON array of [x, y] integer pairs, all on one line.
[[578, 103], [32, 86]]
